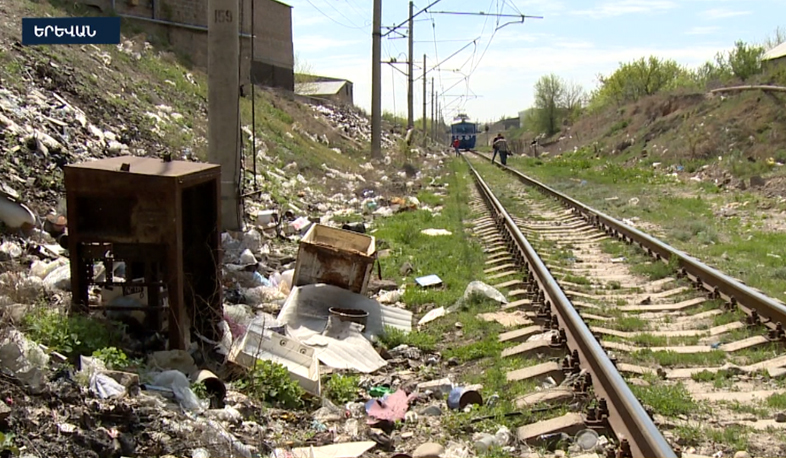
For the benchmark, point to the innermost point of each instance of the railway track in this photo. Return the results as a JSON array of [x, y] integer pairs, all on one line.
[[675, 357]]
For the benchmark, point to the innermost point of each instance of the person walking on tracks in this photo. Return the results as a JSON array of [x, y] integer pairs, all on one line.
[[501, 147], [456, 146]]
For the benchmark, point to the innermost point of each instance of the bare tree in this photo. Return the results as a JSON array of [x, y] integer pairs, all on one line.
[[778, 37], [573, 98], [305, 80]]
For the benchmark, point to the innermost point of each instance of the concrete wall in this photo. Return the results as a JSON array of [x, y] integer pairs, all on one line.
[[773, 64], [186, 31]]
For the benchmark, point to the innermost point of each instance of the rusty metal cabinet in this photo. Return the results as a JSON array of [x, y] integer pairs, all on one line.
[[162, 218]]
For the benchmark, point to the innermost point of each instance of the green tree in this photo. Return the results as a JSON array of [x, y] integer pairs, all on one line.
[[549, 94], [745, 60], [637, 79]]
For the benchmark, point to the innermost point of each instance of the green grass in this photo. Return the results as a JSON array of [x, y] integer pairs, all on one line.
[[455, 258], [683, 213], [668, 400], [721, 379], [672, 359], [393, 337]]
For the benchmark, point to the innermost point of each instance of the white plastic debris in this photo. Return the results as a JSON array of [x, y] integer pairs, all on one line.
[[14, 214], [435, 232], [23, 359], [179, 384], [105, 386]]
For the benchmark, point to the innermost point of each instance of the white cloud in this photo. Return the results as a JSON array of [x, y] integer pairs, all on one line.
[[702, 30], [722, 13], [621, 7]]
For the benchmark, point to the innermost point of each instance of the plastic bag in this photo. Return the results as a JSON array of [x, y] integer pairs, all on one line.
[[478, 288], [105, 386]]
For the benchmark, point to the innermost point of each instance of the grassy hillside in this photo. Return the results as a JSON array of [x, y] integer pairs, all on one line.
[[654, 110], [152, 101]]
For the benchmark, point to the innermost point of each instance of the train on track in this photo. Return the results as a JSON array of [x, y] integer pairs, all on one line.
[[465, 131]]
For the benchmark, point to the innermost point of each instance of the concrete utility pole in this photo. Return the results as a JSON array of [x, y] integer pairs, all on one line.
[[410, 71], [376, 82], [437, 129], [224, 105], [425, 81], [432, 108]]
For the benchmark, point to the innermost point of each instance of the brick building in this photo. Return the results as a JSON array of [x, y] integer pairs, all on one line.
[[184, 24]]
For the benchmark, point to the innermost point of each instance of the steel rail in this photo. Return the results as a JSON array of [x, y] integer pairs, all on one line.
[[720, 285], [627, 417]]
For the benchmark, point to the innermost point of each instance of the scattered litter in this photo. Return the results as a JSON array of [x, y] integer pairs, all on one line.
[[587, 439], [479, 288], [14, 214], [264, 344], [432, 315], [461, 397], [435, 232], [392, 407], [105, 386], [345, 450], [428, 280]]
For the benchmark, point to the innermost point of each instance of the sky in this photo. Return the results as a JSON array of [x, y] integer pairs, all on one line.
[[494, 74]]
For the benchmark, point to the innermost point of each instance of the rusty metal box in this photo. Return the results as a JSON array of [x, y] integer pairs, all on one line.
[[163, 219], [335, 257]]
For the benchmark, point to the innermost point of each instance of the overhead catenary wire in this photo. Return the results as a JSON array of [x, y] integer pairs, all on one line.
[[333, 19]]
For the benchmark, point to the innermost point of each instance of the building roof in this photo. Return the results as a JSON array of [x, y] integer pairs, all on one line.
[[775, 53], [319, 87], [282, 3]]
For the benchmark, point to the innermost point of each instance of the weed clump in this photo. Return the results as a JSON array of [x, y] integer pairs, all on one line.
[[71, 335], [112, 357], [270, 383], [393, 337], [342, 388]]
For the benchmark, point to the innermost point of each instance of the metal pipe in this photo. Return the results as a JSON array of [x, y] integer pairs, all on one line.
[[631, 420]]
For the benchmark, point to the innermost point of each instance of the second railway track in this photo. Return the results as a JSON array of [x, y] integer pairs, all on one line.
[[682, 360]]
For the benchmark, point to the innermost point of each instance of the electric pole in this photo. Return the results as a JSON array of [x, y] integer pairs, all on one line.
[[425, 81], [410, 71], [432, 108], [376, 82], [223, 97]]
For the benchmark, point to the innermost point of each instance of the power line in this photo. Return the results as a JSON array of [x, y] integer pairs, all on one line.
[[331, 18], [345, 17]]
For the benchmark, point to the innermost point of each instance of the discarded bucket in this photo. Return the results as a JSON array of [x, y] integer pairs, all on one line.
[[460, 398], [213, 385], [354, 315]]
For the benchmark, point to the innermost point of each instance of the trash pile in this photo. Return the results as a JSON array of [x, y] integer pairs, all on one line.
[[43, 133], [352, 125]]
